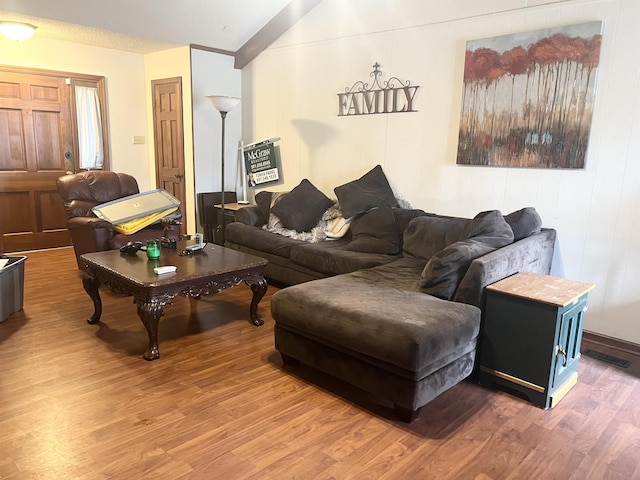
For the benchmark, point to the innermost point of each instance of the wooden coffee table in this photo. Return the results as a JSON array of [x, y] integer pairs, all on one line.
[[203, 273]]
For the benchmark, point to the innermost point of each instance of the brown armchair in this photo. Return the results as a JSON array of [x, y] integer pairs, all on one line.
[[83, 191]]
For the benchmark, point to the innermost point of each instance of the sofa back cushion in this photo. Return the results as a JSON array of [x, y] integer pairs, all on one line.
[[375, 232], [425, 236], [487, 232], [524, 223]]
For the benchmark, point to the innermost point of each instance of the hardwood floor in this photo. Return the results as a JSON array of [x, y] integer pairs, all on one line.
[[77, 401]]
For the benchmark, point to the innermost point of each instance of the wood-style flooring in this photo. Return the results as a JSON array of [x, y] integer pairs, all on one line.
[[77, 401]]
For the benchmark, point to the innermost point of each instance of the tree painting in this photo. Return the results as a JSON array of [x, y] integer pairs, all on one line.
[[528, 98]]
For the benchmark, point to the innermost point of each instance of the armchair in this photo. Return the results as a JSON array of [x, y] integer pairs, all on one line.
[[83, 191]]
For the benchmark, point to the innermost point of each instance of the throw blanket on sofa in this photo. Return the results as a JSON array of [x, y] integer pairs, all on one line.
[[315, 235]]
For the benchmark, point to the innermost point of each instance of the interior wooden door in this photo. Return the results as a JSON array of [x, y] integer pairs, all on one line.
[[169, 138], [36, 147]]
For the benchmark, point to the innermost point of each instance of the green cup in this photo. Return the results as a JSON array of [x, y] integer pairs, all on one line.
[[153, 249]]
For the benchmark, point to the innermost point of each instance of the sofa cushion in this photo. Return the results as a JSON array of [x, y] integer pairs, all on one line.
[[524, 223], [375, 232], [403, 331], [260, 240], [427, 235], [487, 232], [332, 258], [369, 191], [302, 207]]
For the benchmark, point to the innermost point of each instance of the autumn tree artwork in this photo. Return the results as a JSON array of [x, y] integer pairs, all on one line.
[[528, 98]]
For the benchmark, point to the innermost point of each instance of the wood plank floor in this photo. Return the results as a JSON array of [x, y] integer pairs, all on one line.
[[77, 401]]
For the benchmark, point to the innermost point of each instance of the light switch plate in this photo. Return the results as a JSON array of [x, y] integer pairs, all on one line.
[[138, 139]]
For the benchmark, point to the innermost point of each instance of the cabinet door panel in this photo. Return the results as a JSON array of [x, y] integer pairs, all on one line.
[[568, 342]]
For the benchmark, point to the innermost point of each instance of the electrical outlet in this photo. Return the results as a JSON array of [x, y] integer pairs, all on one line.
[[138, 139]]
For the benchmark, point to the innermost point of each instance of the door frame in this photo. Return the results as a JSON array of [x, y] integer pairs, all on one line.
[[180, 133], [72, 79], [39, 184]]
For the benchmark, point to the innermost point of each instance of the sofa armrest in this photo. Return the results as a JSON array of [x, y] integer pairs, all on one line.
[[89, 234], [88, 223], [531, 254], [251, 215]]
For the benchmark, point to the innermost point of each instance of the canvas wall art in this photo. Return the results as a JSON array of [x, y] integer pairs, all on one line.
[[528, 98]]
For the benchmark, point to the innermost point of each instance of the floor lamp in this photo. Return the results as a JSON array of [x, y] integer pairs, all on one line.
[[224, 105]]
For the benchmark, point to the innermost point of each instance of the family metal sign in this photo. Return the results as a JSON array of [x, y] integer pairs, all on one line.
[[365, 99]]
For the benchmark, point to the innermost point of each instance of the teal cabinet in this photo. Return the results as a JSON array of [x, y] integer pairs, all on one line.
[[531, 335]]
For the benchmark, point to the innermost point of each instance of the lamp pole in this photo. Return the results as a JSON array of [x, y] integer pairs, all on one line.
[[223, 104]]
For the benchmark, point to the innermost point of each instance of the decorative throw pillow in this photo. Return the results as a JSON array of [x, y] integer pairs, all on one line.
[[369, 191], [524, 222], [442, 273], [375, 232], [273, 221], [302, 207], [263, 200]]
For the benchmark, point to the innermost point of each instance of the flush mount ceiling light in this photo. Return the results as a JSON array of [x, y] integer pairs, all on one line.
[[17, 30]]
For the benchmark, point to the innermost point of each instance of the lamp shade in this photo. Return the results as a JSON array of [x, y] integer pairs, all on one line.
[[17, 30], [223, 103]]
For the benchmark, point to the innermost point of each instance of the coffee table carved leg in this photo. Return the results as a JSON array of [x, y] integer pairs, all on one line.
[[150, 313], [259, 288], [91, 285]]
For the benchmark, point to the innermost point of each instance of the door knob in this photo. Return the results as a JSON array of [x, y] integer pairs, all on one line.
[[68, 155], [179, 176]]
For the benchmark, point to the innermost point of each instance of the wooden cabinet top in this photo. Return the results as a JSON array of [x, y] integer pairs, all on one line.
[[234, 207], [542, 288]]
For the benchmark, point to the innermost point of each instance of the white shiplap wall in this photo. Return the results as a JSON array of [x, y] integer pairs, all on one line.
[[290, 91]]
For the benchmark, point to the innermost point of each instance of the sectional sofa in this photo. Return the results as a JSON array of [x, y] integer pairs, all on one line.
[[395, 306]]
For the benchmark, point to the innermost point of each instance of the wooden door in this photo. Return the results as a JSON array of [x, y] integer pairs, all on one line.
[[36, 147], [169, 139]]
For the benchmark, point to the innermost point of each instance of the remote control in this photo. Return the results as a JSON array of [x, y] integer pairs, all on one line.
[[165, 269], [195, 247]]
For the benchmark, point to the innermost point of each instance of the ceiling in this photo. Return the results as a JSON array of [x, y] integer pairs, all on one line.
[[145, 26]]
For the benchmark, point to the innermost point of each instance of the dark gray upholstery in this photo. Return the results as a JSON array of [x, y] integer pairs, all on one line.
[[364, 318], [375, 232], [332, 258], [302, 207], [369, 191], [444, 270], [294, 261], [353, 314]]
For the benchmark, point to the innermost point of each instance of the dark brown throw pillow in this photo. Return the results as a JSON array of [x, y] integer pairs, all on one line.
[[375, 232], [301, 209], [441, 275], [369, 191], [524, 223]]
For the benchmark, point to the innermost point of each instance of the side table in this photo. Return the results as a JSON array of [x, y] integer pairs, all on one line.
[[230, 210], [531, 335]]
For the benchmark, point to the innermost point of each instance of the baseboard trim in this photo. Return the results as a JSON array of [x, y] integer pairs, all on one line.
[[611, 342]]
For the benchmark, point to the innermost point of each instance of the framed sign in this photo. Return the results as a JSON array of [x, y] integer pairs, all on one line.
[[260, 163]]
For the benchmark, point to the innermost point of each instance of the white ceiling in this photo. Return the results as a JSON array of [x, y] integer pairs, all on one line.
[[145, 26]]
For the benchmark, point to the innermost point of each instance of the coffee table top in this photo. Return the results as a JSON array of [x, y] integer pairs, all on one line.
[[212, 261]]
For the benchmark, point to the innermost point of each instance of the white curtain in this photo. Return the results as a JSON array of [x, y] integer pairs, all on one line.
[[89, 128]]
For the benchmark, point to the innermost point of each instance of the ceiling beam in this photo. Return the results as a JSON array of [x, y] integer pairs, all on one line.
[[279, 24]]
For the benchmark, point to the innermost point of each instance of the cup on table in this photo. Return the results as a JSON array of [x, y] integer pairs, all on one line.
[[153, 249]]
